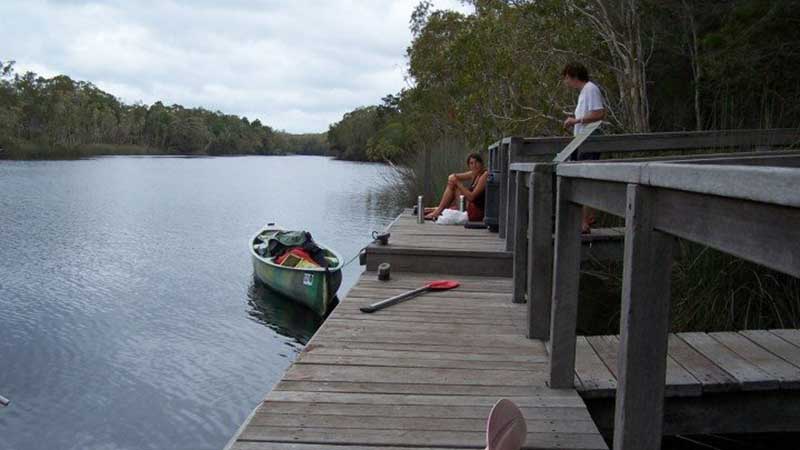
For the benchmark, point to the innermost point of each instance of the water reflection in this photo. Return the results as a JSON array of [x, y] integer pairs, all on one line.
[[280, 313]]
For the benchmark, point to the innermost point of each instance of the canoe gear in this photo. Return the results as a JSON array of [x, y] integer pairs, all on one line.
[[296, 257], [283, 241]]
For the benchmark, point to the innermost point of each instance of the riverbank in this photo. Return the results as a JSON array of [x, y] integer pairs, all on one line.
[[38, 152], [30, 151]]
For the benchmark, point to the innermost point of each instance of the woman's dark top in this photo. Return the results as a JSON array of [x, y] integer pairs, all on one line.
[[475, 207], [481, 198]]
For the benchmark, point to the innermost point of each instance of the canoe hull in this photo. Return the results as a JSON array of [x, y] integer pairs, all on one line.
[[314, 288]]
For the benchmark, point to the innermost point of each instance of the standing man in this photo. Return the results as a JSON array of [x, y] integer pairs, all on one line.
[[589, 109], [590, 106]]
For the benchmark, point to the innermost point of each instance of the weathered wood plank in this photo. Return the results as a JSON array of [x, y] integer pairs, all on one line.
[[420, 411], [596, 379], [747, 375], [398, 336], [414, 437], [413, 326], [758, 232], [714, 141], [519, 240], [502, 153], [308, 358], [644, 326], [774, 344], [427, 346], [326, 349], [787, 374], [566, 279], [511, 202], [711, 377], [267, 445], [555, 398], [402, 388], [411, 423], [414, 375], [540, 251], [788, 335], [679, 381]]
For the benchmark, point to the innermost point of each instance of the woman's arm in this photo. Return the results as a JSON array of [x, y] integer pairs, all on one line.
[[479, 187], [456, 177]]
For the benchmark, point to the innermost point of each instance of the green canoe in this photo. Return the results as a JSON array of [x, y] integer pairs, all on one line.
[[313, 287]]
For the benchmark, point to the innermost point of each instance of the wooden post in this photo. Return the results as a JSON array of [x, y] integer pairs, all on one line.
[[503, 194], [520, 238], [540, 251], [511, 210], [513, 150], [566, 278], [644, 326]]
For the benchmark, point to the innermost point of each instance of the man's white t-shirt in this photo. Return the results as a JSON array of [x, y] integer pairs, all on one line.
[[590, 99]]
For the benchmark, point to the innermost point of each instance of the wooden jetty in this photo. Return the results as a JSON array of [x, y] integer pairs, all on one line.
[[421, 374], [424, 374]]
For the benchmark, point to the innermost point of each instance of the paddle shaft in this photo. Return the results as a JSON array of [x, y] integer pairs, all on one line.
[[394, 300]]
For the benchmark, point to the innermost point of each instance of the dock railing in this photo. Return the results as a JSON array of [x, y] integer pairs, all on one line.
[[528, 190], [511, 150], [750, 211]]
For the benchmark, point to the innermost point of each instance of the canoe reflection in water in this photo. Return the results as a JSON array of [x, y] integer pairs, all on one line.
[[282, 314]]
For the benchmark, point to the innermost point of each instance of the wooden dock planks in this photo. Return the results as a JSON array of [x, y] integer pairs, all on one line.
[[424, 373], [749, 360]]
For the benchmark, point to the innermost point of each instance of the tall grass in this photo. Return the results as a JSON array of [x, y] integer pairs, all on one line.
[[710, 291], [409, 178]]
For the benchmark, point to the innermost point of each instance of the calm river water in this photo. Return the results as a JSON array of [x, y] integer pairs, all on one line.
[[129, 318]]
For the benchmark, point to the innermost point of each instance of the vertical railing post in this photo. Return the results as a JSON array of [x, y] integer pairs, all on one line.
[[540, 250], [513, 152], [502, 151], [644, 326], [520, 245], [511, 210], [566, 277]]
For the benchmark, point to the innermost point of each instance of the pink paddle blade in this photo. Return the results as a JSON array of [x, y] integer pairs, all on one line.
[[442, 285], [506, 428]]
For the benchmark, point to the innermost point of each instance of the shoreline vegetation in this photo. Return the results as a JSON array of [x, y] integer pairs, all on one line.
[[60, 118]]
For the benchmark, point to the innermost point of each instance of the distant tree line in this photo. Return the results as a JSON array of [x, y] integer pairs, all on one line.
[[53, 117], [663, 65]]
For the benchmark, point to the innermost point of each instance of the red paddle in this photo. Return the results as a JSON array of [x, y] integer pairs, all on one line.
[[438, 285]]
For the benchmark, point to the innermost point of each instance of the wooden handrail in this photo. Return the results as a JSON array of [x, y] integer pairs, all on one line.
[[752, 212]]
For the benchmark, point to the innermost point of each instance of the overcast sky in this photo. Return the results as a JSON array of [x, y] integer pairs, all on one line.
[[297, 65]]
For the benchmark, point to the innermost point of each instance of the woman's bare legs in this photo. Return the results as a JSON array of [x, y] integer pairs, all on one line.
[[448, 198]]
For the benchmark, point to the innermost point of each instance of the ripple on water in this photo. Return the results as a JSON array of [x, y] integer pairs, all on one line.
[[130, 316]]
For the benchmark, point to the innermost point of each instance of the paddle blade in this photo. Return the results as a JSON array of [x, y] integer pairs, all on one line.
[[442, 285]]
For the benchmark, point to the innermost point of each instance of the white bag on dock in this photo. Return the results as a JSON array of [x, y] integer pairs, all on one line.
[[452, 217]]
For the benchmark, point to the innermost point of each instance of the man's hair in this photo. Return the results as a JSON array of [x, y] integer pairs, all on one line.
[[576, 70], [476, 157]]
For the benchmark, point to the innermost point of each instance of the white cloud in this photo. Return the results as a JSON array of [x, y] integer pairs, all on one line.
[[295, 65]]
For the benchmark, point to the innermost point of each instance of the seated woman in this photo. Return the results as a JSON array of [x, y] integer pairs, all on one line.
[[475, 194]]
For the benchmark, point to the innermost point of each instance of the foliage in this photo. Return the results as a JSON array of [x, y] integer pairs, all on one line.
[[663, 66], [59, 117]]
